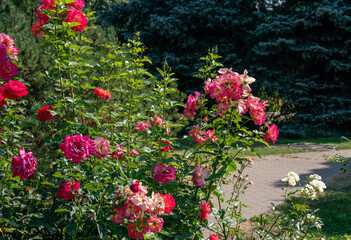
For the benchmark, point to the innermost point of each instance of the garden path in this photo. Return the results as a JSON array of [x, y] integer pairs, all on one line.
[[267, 172]]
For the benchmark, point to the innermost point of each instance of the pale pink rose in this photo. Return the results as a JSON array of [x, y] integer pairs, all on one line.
[[242, 107], [102, 147], [155, 224], [142, 126], [6, 39], [233, 78], [12, 52], [189, 113], [199, 176], [159, 203], [130, 209], [25, 165], [272, 133], [143, 202], [163, 174]]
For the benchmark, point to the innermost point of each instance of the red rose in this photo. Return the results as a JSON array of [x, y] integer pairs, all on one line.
[[66, 192], [214, 237], [44, 114], [204, 210], [14, 90], [78, 17], [166, 147], [7, 69], [102, 93]]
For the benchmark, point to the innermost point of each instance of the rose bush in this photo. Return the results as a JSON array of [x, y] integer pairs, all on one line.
[[110, 166]]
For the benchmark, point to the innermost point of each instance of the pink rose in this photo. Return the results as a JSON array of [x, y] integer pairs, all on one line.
[[117, 214], [8, 69], [75, 147], [142, 126], [25, 165], [102, 147], [78, 5], [199, 176], [65, 191], [163, 174], [156, 120], [8, 41], [272, 133], [14, 90], [78, 17]]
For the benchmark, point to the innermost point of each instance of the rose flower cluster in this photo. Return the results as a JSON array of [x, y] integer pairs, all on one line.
[[73, 14], [143, 211], [11, 89], [230, 90]]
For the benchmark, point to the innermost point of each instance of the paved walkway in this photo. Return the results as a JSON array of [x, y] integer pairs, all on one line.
[[267, 172]]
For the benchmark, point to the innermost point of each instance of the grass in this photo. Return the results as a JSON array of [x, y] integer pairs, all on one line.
[[289, 146]]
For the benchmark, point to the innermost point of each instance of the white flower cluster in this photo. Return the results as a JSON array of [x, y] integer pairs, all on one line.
[[291, 179], [314, 186]]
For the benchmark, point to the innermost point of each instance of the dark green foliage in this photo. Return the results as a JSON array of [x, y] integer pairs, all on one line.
[[182, 31], [298, 50], [303, 50]]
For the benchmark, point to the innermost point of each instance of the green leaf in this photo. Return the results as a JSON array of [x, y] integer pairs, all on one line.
[[58, 175], [60, 210], [196, 152], [17, 178], [220, 173]]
